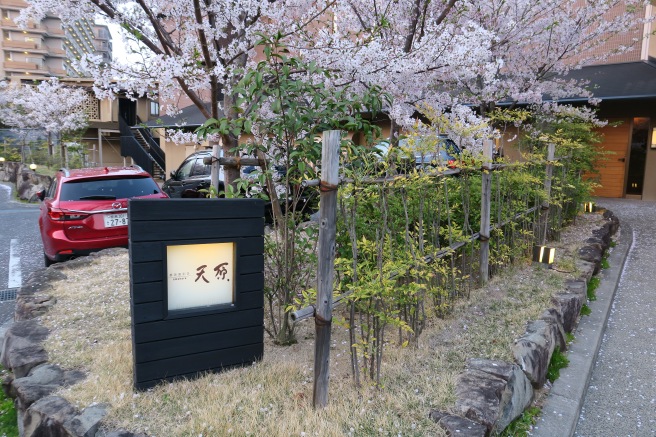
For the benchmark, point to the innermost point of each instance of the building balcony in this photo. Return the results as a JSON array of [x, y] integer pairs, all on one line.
[[23, 66], [7, 23], [12, 44], [57, 71], [16, 3], [55, 31], [56, 52]]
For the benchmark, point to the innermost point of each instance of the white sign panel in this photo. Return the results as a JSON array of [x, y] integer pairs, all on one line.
[[200, 275]]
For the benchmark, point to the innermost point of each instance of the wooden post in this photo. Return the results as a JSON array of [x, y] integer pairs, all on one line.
[[486, 199], [326, 268], [544, 216]]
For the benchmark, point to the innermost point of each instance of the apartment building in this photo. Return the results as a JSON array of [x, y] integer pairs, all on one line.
[[47, 48]]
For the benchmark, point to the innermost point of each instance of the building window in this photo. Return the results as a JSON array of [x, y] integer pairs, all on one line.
[[154, 108], [103, 33], [37, 61], [91, 107]]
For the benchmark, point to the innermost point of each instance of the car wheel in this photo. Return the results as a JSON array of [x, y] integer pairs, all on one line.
[[47, 261]]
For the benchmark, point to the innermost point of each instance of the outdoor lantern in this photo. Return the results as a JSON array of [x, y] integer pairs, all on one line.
[[588, 207], [33, 166], [544, 255]]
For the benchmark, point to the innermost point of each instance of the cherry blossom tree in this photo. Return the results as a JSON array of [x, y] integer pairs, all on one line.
[[537, 42], [202, 49], [444, 54], [3, 96], [191, 48], [49, 105], [437, 56]]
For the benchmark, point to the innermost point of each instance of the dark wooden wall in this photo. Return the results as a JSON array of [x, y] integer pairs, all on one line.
[[165, 346]]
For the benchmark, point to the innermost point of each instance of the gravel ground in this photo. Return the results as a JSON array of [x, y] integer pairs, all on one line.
[[621, 398]]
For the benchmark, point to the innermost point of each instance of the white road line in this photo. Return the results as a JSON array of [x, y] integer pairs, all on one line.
[[15, 279], [5, 191]]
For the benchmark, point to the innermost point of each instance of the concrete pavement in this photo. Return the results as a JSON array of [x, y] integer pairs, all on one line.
[[609, 388]]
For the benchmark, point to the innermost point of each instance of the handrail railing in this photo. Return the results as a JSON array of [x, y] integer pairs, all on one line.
[[155, 150], [130, 147]]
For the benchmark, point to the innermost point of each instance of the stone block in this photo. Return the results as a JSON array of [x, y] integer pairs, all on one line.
[[533, 350], [124, 433], [453, 425], [578, 287], [569, 306], [41, 382], [47, 416], [22, 349], [586, 268], [554, 319], [86, 423], [604, 233], [613, 220], [492, 392], [591, 254]]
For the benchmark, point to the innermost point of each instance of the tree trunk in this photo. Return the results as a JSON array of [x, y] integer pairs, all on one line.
[[64, 155], [216, 168]]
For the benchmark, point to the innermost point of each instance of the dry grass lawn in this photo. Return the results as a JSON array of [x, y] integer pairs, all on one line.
[[90, 330]]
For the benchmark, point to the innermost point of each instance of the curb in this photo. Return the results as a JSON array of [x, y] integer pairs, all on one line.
[[561, 410]]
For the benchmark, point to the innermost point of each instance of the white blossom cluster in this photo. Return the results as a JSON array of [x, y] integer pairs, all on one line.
[[48, 105]]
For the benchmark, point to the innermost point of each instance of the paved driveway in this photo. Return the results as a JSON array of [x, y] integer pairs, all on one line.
[[21, 252], [621, 397]]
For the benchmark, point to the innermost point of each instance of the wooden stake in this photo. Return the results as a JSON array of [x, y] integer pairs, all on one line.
[[326, 267], [544, 216], [486, 200]]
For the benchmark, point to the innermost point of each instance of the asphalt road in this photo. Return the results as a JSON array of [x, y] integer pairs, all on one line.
[[21, 252]]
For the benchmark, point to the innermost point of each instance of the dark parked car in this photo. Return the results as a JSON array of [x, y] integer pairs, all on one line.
[[192, 176], [86, 210], [424, 152]]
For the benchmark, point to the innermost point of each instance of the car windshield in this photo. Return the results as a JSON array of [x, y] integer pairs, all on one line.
[[98, 189]]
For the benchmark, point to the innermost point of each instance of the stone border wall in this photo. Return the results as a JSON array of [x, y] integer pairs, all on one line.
[[490, 394], [33, 379], [26, 181]]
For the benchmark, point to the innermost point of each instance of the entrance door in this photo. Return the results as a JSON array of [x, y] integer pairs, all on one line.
[[128, 110], [612, 168], [637, 156]]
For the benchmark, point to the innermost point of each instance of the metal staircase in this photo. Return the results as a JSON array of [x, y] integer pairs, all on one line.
[[158, 169], [138, 144]]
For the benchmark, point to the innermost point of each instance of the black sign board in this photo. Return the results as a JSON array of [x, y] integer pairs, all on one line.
[[196, 286]]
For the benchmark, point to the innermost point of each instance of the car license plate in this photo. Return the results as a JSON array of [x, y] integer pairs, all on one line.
[[114, 220]]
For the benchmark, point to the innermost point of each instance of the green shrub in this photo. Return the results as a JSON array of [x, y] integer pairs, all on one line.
[[558, 361], [569, 337], [8, 416], [593, 284], [604, 262], [523, 424]]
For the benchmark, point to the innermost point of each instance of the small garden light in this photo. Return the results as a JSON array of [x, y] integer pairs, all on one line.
[[588, 207], [33, 166], [544, 255]]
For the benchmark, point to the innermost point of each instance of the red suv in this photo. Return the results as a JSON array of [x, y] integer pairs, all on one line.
[[85, 210]]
